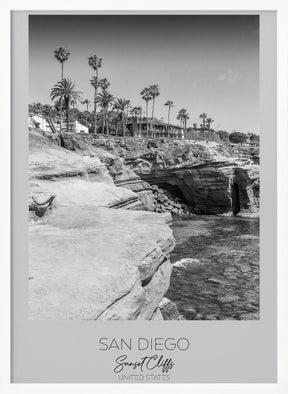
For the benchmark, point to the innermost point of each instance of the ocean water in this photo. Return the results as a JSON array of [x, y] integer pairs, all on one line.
[[215, 272]]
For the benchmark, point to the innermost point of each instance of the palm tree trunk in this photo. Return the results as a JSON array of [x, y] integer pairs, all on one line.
[[62, 66], [103, 120], [67, 116], [107, 122], [204, 128], [95, 114], [126, 119], [50, 123], [95, 103], [168, 118], [87, 116], [147, 117], [123, 123], [153, 133], [60, 115]]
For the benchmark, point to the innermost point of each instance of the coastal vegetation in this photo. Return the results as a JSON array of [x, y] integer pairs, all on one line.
[[67, 94], [116, 114]]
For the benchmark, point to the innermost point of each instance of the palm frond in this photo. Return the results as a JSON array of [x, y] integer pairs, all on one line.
[[61, 54], [65, 90], [95, 62]]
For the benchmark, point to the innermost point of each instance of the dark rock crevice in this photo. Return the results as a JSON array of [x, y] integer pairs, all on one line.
[[235, 198]]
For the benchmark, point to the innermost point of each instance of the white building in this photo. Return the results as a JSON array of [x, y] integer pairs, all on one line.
[[38, 122], [77, 127]]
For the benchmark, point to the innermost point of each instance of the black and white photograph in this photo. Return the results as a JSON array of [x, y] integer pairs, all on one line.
[[144, 167]]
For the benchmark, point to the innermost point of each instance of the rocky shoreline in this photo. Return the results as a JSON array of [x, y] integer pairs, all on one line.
[[91, 175]]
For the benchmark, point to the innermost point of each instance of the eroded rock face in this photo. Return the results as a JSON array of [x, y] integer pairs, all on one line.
[[155, 289], [213, 187], [123, 176], [210, 177], [74, 177], [109, 153]]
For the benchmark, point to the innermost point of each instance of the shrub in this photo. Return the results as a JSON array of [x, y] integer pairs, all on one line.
[[238, 138], [224, 135]]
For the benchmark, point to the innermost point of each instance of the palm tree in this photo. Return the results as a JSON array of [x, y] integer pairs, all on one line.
[[128, 107], [65, 91], [59, 108], [105, 99], [122, 106], [186, 117], [169, 103], [209, 121], [61, 54], [183, 116], [155, 91], [180, 118], [140, 116], [103, 83], [87, 102], [95, 62], [94, 83], [203, 116], [134, 112], [137, 113], [146, 96]]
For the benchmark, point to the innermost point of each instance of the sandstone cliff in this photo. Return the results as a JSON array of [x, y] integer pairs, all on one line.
[[93, 262], [90, 261], [211, 178], [214, 187]]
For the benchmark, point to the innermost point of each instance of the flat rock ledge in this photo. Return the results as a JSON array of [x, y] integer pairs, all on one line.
[[114, 265], [97, 256]]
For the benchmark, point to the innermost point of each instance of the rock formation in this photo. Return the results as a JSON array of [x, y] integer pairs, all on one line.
[[90, 261], [165, 202], [210, 178], [97, 263], [93, 262], [214, 187]]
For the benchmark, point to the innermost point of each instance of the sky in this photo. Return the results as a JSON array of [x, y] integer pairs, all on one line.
[[203, 63]]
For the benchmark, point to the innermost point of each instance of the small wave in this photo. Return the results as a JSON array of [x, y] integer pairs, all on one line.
[[187, 261]]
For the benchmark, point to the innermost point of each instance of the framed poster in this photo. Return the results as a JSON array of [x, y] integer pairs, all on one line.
[[140, 253]]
